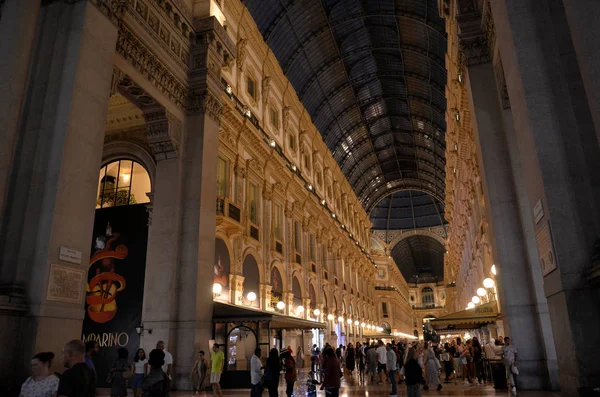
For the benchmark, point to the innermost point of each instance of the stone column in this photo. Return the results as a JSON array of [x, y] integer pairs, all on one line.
[[518, 305], [237, 285], [51, 199], [545, 100], [17, 32], [194, 301], [164, 136], [306, 304], [265, 296], [582, 17]]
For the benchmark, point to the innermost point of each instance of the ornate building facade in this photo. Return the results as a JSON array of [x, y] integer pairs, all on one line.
[[202, 164]]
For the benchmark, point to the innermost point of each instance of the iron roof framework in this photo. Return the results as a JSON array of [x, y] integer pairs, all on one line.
[[419, 255], [407, 209], [371, 75]]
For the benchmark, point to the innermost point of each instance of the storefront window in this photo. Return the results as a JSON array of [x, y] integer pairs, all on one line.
[[122, 182]]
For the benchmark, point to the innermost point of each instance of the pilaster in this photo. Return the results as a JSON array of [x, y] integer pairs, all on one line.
[[52, 194]]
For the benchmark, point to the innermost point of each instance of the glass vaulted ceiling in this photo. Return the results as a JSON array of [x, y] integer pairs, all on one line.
[[371, 75]]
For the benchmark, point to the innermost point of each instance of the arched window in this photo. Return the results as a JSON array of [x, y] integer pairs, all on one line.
[[122, 182], [427, 296]]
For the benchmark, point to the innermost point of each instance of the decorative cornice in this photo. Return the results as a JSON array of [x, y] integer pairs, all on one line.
[[204, 101], [475, 50], [142, 59], [113, 9], [163, 134]]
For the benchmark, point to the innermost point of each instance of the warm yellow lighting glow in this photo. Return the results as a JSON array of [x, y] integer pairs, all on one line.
[[317, 312], [494, 270], [356, 322], [340, 319], [362, 325], [280, 305], [126, 177], [481, 291], [349, 321], [471, 305], [217, 288], [300, 309], [251, 296], [488, 283], [330, 317], [475, 300]]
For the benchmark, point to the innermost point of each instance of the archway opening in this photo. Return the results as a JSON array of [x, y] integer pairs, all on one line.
[[251, 292]]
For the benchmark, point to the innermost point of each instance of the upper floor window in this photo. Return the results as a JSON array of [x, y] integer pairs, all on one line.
[[384, 310], [292, 141], [307, 161], [222, 177], [427, 295], [297, 236], [253, 202], [319, 179], [277, 221], [274, 117], [251, 87], [313, 253], [122, 182]]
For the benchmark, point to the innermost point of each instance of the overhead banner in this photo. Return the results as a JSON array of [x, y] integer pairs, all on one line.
[[115, 283]]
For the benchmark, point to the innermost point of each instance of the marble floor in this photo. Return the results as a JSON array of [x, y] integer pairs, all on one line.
[[350, 388]]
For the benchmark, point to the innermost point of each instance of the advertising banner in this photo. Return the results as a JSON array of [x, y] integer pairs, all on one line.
[[115, 284]]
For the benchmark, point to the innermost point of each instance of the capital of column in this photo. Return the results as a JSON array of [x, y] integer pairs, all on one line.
[[164, 133], [474, 44], [212, 50]]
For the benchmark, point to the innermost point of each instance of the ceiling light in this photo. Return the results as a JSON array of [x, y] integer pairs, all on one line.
[[494, 270], [323, 202], [481, 291], [475, 300], [294, 168], [310, 187], [229, 90], [470, 305], [272, 143], [488, 283], [333, 215]]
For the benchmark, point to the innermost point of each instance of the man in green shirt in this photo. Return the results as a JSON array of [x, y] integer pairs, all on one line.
[[217, 358]]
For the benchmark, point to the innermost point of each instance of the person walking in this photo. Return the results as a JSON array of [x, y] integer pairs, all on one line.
[[447, 360], [217, 359], [391, 365], [299, 358], [360, 359], [41, 383], [290, 372], [509, 356], [432, 368], [118, 386], [79, 380], [333, 373], [350, 359], [168, 365], [157, 383], [256, 373], [372, 360], [91, 349], [199, 373], [478, 361], [413, 374], [272, 371], [139, 372], [382, 360]]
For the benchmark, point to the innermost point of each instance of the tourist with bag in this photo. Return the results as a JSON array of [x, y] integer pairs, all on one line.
[[291, 375], [272, 370]]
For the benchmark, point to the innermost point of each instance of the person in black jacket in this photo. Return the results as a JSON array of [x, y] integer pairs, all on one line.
[[413, 374], [272, 370]]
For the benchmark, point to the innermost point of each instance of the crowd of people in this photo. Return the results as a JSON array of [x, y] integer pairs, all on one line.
[[416, 364]]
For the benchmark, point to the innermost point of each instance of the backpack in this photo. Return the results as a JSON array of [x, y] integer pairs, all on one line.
[[158, 389]]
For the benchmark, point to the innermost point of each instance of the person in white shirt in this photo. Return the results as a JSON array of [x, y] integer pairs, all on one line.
[[382, 360], [256, 373], [168, 365], [509, 356], [391, 365]]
